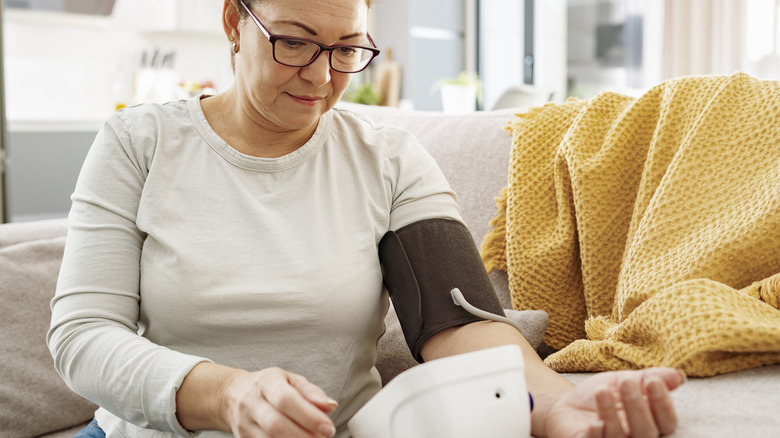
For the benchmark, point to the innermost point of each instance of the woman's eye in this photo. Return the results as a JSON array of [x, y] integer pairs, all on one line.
[[347, 51], [294, 44]]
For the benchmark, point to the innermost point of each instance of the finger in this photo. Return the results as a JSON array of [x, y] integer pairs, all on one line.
[[288, 401], [313, 393], [272, 423], [597, 430], [609, 415], [640, 419], [661, 405], [255, 432], [672, 377]]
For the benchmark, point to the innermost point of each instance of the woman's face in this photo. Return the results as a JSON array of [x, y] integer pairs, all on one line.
[[291, 98]]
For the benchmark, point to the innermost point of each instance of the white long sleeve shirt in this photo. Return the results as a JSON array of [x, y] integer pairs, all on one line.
[[180, 249]]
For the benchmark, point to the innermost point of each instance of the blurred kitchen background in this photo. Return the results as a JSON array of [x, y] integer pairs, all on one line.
[[68, 64]]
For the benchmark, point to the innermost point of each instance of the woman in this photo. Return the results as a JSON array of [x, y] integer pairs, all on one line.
[[222, 248]]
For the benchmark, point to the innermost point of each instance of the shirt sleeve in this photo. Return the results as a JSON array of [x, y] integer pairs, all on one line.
[[94, 333], [419, 188]]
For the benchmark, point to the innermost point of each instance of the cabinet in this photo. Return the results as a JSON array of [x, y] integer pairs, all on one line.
[[428, 39], [42, 167], [166, 16]]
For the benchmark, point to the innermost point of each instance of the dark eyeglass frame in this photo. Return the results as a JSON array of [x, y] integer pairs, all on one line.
[[272, 38]]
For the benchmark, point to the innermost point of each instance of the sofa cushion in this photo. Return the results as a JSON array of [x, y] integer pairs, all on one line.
[[33, 398], [66, 433]]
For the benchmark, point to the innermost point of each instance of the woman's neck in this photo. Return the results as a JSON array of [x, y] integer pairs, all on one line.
[[242, 131]]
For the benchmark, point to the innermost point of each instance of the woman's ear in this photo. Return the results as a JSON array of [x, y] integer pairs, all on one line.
[[230, 19]]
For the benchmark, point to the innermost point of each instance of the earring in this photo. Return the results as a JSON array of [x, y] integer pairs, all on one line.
[[234, 47]]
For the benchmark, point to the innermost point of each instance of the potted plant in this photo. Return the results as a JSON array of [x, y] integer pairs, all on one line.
[[364, 93], [460, 94]]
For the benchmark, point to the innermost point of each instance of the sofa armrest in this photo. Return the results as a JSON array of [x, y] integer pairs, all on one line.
[[18, 232], [34, 400]]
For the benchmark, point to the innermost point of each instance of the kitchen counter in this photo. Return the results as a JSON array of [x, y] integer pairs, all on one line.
[[59, 125], [44, 158]]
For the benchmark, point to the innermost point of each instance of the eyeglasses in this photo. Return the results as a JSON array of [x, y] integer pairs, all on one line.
[[300, 52]]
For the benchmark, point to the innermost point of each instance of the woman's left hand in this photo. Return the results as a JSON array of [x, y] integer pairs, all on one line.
[[617, 404]]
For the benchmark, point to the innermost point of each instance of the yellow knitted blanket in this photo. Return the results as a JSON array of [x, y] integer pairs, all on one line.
[[649, 228]]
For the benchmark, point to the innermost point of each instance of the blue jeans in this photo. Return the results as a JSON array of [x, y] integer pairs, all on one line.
[[91, 431]]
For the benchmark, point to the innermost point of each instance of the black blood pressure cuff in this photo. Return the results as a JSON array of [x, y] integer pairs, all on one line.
[[421, 263]]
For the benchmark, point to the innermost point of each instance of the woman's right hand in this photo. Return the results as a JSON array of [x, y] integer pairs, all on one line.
[[276, 403], [270, 403]]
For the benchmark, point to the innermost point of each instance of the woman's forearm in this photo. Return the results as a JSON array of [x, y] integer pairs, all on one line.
[[544, 384]]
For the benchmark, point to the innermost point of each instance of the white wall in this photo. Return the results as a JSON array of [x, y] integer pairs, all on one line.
[[550, 47], [501, 47]]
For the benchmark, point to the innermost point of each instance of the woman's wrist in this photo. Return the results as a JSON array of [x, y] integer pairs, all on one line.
[[547, 388], [542, 404], [202, 401]]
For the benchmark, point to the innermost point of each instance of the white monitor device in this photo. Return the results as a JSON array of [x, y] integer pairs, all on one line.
[[477, 394]]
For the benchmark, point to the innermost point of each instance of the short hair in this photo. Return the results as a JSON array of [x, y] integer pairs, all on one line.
[[243, 12]]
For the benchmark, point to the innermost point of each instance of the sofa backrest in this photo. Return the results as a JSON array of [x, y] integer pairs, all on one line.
[[471, 149]]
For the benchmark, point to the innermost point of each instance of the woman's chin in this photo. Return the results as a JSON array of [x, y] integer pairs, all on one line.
[[302, 119], [308, 113]]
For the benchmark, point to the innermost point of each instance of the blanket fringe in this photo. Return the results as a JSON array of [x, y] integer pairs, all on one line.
[[493, 249]]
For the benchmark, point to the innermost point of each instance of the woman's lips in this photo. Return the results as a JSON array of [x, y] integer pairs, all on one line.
[[306, 100]]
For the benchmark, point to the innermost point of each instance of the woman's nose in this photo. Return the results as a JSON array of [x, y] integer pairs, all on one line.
[[318, 72]]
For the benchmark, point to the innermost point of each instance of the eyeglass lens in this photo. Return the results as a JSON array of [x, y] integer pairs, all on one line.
[[297, 53]]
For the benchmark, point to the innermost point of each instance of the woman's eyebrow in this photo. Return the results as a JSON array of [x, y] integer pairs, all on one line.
[[312, 32]]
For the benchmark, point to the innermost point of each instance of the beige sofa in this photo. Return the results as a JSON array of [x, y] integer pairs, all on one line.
[[473, 151]]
